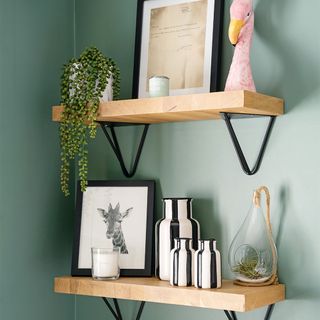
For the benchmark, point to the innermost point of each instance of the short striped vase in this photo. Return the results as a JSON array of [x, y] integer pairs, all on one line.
[[177, 222], [181, 273], [207, 265]]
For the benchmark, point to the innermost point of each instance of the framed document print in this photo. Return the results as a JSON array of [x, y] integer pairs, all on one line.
[[179, 39], [115, 214]]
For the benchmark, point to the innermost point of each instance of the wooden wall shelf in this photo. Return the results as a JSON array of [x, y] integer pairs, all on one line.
[[185, 108], [229, 297], [173, 109], [205, 106]]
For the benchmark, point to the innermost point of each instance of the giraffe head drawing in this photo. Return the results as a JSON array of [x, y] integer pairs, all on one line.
[[113, 218]]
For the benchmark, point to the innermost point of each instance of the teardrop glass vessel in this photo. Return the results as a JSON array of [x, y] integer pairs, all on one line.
[[252, 255]]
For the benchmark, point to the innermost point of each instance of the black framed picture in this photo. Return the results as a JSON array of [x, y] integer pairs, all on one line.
[[179, 39], [115, 213]]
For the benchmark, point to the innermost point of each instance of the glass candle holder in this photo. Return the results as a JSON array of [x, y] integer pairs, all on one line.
[[105, 263], [158, 86]]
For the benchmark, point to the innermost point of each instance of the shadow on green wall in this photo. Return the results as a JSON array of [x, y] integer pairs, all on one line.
[[293, 76], [205, 211]]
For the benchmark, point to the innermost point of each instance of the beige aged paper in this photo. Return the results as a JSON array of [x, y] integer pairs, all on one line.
[[177, 43]]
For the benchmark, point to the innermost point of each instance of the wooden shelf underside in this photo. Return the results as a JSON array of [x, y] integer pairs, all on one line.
[[185, 108], [229, 297]]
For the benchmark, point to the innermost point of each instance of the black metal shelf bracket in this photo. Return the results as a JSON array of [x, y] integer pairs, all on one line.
[[231, 315], [245, 167], [117, 313], [116, 148]]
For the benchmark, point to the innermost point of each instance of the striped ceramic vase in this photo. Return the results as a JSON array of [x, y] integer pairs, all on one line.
[[181, 263], [177, 222], [207, 265]]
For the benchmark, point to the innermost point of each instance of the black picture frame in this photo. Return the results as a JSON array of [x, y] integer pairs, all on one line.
[[96, 190], [215, 51]]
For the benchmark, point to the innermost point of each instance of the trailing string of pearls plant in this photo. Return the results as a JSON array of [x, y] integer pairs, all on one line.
[[82, 84]]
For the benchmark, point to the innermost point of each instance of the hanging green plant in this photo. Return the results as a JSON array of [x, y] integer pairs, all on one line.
[[82, 84]]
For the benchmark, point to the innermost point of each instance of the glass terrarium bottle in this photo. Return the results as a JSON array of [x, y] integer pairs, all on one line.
[[252, 255]]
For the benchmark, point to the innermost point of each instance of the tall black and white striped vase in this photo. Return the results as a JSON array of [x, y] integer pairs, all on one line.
[[181, 263], [207, 265], [177, 222]]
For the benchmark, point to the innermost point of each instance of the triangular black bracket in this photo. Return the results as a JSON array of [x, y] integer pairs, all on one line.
[[231, 315], [116, 148], [117, 313], [227, 118]]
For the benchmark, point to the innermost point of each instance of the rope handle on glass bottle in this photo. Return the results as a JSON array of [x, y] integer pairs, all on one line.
[[257, 202]]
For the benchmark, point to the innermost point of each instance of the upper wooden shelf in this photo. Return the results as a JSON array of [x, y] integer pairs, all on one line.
[[229, 297], [185, 108]]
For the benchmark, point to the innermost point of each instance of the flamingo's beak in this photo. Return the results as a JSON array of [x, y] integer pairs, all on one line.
[[234, 30]]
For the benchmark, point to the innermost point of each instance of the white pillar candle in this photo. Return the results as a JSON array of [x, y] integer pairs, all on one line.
[[158, 86], [105, 263]]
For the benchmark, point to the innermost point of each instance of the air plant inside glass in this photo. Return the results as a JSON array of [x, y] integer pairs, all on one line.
[[252, 254]]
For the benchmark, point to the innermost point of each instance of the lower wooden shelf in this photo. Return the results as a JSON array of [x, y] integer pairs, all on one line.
[[229, 297]]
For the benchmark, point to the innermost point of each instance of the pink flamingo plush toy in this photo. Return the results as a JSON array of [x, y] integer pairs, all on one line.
[[240, 35]]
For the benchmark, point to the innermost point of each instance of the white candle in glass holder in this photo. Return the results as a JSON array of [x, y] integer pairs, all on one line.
[[158, 86], [105, 263]]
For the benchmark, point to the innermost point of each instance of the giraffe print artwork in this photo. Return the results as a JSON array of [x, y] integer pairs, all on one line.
[[113, 219]]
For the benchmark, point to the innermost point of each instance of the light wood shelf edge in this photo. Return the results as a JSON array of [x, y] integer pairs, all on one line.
[[229, 297], [185, 108]]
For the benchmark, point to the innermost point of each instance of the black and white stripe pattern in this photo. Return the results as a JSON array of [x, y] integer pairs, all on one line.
[[207, 265], [181, 273], [177, 222]]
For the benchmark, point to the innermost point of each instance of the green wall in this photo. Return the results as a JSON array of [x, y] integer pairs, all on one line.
[[193, 159], [36, 38]]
